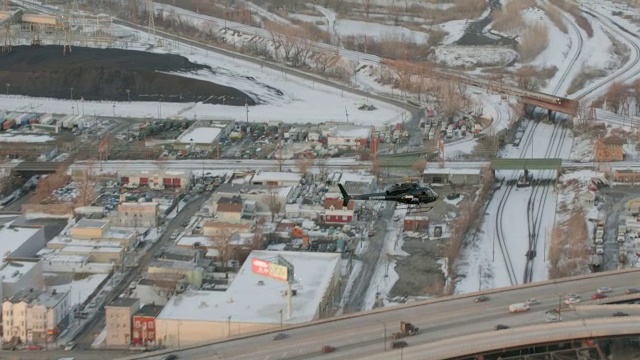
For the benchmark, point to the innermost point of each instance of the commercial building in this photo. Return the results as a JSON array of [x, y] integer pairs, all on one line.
[[261, 194], [416, 223], [274, 178], [34, 316], [192, 272], [18, 275], [21, 241], [252, 302], [160, 179], [348, 135], [219, 228], [94, 233], [142, 215], [144, 325], [119, 315], [99, 254], [198, 139]]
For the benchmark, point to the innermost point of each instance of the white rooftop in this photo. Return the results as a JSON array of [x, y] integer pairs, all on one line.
[[264, 176], [11, 238], [191, 240], [450, 171], [201, 135], [13, 271], [67, 241], [246, 301], [343, 177], [353, 132], [90, 249]]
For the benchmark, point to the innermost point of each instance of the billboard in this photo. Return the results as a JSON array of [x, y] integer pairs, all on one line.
[[269, 269]]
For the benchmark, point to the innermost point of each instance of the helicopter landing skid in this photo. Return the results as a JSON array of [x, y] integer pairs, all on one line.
[[416, 209]]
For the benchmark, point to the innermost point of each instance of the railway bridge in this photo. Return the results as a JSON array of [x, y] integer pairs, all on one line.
[[529, 97], [527, 165]]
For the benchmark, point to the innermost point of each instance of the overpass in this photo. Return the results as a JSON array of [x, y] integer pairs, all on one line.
[[443, 321], [31, 168]]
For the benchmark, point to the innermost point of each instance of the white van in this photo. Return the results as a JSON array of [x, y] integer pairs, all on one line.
[[520, 307]]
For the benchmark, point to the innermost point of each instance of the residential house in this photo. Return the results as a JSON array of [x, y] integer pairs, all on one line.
[[119, 314], [144, 325], [229, 209], [34, 316], [219, 228], [335, 212], [275, 179], [416, 223], [609, 149]]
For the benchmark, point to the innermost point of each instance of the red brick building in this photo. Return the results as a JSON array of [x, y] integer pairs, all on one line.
[[416, 223], [335, 213], [144, 325]]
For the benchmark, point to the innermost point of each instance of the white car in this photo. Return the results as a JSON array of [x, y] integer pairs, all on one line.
[[572, 300], [599, 250], [532, 301], [175, 234], [604, 290]]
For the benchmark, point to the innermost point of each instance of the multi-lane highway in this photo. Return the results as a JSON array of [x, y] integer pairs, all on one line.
[[363, 335]]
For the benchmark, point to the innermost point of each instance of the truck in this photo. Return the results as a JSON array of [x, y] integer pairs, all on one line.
[[519, 307], [406, 329]]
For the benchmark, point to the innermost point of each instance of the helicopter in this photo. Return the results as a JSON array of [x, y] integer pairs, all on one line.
[[411, 194]]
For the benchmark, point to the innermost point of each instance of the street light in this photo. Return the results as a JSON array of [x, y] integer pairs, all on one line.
[[8, 86], [229, 326], [71, 91], [129, 95]]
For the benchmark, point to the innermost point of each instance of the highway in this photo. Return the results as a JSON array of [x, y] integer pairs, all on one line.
[[113, 166], [362, 335]]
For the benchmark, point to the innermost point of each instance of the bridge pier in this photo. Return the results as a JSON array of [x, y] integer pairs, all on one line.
[[550, 115]]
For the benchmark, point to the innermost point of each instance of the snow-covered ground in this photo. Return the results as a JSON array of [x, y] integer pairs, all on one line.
[[355, 273], [384, 275]]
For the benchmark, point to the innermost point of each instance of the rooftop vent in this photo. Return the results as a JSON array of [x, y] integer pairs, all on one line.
[[260, 283]]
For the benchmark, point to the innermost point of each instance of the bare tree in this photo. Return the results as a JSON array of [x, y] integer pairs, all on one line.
[[304, 164], [86, 188], [273, 202], [419, 166], [9, 184], [366, 5], [226, 249], [615, 96], [49, 184]]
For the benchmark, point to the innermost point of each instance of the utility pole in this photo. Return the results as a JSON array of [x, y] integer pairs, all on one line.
[[71, 89], [346, 113], [246, 105], [8, 86], [129, 95]]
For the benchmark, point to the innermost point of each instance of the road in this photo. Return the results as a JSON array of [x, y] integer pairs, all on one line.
[[362, 335], [88, 335]]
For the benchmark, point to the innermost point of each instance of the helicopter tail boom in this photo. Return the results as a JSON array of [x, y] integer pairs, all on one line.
[[345, 196]]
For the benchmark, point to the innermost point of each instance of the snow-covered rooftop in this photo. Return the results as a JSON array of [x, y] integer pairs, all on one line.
[[353, 132], [90, 249], [265, 176], [11, 238], [80, 290], [201, 135], [67, 241], [246, 301], [13, 271], [192, 240], [343, 177], [451, 171]]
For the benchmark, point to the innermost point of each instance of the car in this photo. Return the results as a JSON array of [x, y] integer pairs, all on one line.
[[604, 290], [170, 357], [619, 314], [532, 301], [399, 344], [280, 336], [553, 318], [572, 300], [632, 291], [69, 346], [327, 349], [572, 296], [598, 296], [480, 299], [501, 327], [599, 249], [34, 347]]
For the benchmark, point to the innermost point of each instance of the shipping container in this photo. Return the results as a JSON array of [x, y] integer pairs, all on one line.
[[13, 116], [177, 182]]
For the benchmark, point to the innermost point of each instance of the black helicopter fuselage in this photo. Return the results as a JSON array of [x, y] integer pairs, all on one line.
[[411, 195]]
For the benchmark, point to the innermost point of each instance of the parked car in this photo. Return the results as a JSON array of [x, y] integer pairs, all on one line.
[[632, 291], [501, 327], [572, 300], [69, 346], [532, 301], [598, 296], [619, 314], [480, 299], [604, 290], [170, 357], [34, 347]]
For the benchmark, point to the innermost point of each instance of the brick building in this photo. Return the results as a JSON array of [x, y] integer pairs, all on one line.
[[144, 325], [609, 149], [118, 315]]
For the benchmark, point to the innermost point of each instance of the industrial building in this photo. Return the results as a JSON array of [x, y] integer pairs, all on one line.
[[453, 176], [253, 302]]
